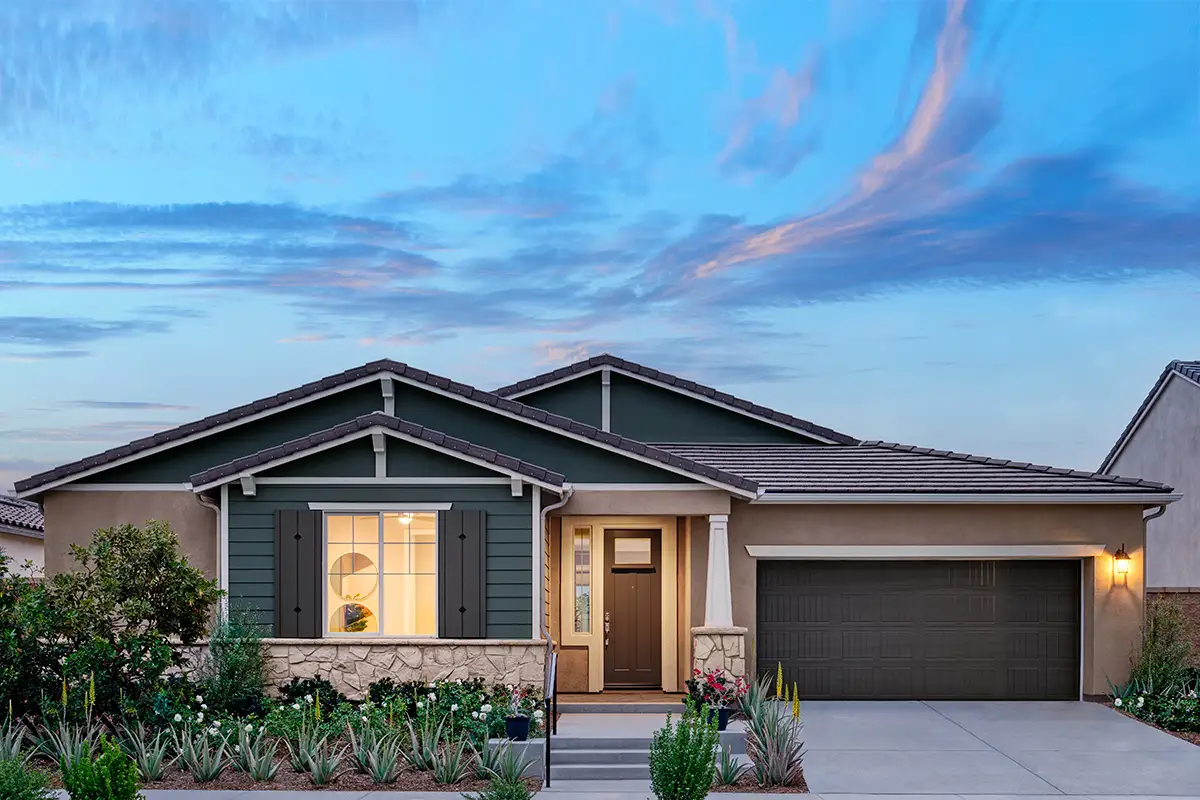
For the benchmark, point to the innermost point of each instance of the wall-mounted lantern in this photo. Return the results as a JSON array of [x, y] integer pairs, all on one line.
[[1121, 566]]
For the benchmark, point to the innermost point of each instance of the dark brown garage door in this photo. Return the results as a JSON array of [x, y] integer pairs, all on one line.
[[921, 629]]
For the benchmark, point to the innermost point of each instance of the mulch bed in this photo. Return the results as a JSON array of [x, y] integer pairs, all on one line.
[[747, 784], [286, 780]]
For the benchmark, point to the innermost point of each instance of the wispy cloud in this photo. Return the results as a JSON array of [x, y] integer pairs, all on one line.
[[71, 331], [767, 137], [126, 405]]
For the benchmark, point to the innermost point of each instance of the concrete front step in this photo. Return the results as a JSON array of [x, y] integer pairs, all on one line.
[[735, 740], [599, 772], [614, 757], [620, 708]]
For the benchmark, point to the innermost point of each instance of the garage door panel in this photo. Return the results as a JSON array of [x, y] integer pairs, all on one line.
[[938, 629]]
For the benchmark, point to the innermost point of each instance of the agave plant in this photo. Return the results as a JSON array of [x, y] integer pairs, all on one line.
[[361, 745], [453, 763], [424, 738], [255, 752], [774, 745], [304, 747], [66, 743], [383, 760], [204, 753], [509, 764], [148, 751], [487, 757], [12, 738], [323, 764], [729, 769]]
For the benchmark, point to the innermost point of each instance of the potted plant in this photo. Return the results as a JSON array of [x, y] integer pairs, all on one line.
[[516, 724], [715, 691]]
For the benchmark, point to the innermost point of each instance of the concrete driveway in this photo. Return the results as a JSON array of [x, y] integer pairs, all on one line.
[[991, 748]]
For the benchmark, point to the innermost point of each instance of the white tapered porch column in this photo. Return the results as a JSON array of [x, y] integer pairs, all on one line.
[[718, 596]]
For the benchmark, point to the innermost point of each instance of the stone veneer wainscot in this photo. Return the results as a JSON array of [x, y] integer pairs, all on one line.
[[720, 648], [351, 665]]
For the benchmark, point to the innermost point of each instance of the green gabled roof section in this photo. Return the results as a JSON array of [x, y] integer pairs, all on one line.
[[550, 387], [316, 407], [356, 428]]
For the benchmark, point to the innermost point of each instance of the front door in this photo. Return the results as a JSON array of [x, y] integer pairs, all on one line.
[[632, 608]]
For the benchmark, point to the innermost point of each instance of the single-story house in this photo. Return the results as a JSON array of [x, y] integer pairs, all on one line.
[[386, 521], [1162, 443], [21, 535]]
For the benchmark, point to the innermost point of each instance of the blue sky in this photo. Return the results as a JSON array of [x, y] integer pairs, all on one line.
[[962, 225]]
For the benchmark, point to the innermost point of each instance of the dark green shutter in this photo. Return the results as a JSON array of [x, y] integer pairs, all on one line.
[[462, 574], [298, 575]]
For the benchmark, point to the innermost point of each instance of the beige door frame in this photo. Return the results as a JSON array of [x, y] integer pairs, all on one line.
[[594, 640]]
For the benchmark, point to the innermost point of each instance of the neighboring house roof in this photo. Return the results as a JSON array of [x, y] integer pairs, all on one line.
[[1188, 370], [605, 360], [369, 422], [368, 372], [21, 517], [883, 467]]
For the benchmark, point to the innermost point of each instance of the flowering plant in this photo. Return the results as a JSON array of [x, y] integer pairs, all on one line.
[[715, 688]]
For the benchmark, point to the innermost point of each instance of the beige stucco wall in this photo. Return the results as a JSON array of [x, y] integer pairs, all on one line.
[[1112, 614], [22, 549], [681, 502], [72, 518]]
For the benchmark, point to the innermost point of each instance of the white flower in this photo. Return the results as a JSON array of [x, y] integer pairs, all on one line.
[[459, 681], [217, 724], [474, 715], [538, 714], [204, 706], [308, 698], [1141, 701], [296, 706], [364, 719], [1117, 702], [237, 748], [432, 684], [249, 728], [420, 704], [453, 707], [486, 708], [199, 699], [200, 717], [432, 696], [179, 717]]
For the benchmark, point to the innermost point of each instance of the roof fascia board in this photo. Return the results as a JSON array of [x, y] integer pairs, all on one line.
[[670, 387], [1141, 417], [224, 426], [593, 442], [369, 432], [965, 498], [127, 487], [924, 552]]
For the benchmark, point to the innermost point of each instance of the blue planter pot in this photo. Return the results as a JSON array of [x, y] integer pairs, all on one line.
[[516, 728], [722, 715]]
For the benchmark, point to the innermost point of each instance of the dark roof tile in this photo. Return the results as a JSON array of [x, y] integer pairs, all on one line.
[[22, 515]]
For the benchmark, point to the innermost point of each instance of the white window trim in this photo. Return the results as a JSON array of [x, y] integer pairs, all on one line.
[[367, 508], [381, 509], [924, 552]]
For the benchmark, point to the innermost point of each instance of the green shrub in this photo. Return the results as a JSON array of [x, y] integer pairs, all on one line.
[[234, 673], [1161, 663], [20, 781], [112, 776], [502, 790], [683, 756], [307, 690], [30, 651]]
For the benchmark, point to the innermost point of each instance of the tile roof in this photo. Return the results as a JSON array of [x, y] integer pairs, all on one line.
[[894, 468], [365, 422], [402, 370], [1188, 369], [21, 514], [667, 379]]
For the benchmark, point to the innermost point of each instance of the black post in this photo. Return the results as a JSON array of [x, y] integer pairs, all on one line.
[[549, 729]]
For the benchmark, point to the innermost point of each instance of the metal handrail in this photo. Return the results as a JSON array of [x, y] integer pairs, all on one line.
[[550, 697]]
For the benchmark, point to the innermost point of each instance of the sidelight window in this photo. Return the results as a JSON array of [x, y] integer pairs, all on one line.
[[582, 575], [381, 573]]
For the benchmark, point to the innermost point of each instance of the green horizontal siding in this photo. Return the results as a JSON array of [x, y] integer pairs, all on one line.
[[651, 413], [578, 399], [179, 463], [580, 461], [509, 546]]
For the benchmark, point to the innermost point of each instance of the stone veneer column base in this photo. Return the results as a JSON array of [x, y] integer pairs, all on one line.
[[720, 648]]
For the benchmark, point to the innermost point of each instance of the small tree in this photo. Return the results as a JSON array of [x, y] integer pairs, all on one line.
[[118, 613], [29, 652], [1162, 660]]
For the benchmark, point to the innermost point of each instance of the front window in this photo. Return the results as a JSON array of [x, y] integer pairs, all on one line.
[[382, 573]]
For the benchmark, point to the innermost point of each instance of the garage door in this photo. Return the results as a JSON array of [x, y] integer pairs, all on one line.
[[921, 629]]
